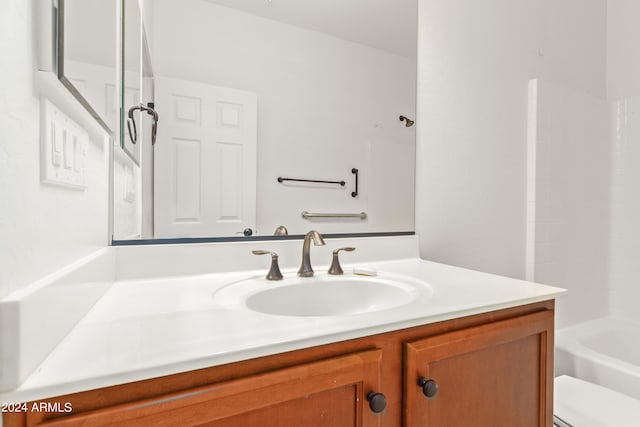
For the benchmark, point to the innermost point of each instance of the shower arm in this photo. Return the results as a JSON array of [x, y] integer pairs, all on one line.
[[407, 120]]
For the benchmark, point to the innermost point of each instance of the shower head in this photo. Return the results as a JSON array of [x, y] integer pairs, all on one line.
[[408, 123]]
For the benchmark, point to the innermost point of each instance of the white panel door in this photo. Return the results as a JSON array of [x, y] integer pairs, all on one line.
[[204, 160]]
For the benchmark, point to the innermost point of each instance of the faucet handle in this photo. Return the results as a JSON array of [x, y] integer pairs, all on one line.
[[335, 263], [274, 272]]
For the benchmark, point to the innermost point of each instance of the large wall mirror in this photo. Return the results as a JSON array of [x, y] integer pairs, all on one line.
[[271, 113]]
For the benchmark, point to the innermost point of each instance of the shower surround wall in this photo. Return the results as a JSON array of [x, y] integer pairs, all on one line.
[[475, 60], [623, 88]]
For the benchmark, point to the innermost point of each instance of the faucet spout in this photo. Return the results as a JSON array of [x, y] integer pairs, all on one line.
[[305, 268]]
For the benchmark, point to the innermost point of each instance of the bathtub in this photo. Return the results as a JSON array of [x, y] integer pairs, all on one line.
[[604, 351]]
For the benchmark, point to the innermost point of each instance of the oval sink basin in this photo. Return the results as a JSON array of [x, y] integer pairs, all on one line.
[[322, 295]]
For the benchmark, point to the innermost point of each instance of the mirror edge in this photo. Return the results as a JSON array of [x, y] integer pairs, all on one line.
[[120, 81], [189, 240]]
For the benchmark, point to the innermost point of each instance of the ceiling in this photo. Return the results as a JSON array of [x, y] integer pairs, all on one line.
[[384, 24]]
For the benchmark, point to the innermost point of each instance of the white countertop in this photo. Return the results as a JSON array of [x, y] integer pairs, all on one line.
[[148, 328]]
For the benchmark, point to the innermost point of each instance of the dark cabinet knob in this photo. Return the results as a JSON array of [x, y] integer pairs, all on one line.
[[377, 402], [429, 388]]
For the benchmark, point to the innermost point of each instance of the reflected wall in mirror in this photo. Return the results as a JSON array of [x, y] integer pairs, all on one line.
[[133, 46], [248, 92], [87, 46]]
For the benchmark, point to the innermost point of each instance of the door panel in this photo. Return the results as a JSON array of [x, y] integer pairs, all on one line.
[[492, 375], [205, 160]]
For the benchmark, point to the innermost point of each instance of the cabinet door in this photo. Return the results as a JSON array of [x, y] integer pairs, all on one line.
[[331, 392], [498, 374]]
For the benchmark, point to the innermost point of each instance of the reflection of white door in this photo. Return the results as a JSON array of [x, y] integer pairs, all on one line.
[[204, 160]]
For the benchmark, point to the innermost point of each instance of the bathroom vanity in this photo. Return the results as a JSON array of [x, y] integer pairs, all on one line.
[[466, 348], [476, 364]]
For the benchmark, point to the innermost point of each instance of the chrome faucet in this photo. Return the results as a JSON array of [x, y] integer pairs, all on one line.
[[305, 269]]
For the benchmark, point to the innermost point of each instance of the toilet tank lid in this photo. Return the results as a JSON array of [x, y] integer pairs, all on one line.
[[583, 404]]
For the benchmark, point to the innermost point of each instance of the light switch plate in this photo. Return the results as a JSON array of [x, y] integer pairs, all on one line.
[[63, 148]]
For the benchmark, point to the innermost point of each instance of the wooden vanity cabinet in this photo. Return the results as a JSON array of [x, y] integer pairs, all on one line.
[[329, 392], [490, 375], [490, 369]]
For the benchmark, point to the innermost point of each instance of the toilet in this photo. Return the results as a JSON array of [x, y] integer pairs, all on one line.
[[579, 403]]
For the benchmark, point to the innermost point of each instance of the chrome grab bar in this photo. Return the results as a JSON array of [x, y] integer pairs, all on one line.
[[308, 215]]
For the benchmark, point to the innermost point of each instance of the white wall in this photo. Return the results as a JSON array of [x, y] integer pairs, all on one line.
[[473, 65], [623, 86], [325, 106], [475, 60], [42, 227]]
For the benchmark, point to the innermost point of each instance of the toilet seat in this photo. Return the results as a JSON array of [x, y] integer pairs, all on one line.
[[579, 403]]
